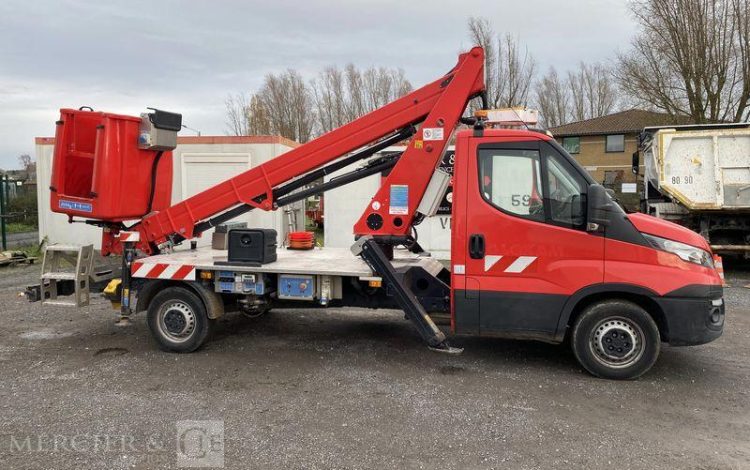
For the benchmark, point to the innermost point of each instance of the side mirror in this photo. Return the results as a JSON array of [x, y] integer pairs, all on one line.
[[636, 162], [598, 205]]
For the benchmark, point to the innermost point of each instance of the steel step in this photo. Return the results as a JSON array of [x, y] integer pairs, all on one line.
[[60, 303], [63, 276], [72, 248], [55, 269]]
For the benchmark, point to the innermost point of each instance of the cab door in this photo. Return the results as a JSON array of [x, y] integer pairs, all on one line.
[[527, 249]]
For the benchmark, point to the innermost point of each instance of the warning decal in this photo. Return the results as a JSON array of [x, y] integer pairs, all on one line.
[[432, 133], [399, 204]]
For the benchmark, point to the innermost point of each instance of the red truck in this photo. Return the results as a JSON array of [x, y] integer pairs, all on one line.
[[539, 250]]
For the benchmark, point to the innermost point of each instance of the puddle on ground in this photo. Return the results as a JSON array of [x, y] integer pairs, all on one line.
[[43, 334], [451, 370], [111, 352]]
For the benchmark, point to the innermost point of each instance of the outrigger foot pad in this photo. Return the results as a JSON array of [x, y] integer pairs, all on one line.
[[446, 348], [123, 321]]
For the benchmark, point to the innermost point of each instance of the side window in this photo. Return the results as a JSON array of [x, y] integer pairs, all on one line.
[[572, 145], [511, 181], [615, 143], [565, 192]]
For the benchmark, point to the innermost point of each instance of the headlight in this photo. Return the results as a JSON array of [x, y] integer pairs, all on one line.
[[688, 253]]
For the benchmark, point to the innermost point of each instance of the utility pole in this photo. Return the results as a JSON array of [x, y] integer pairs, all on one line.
[[191, 129], [3, 180]]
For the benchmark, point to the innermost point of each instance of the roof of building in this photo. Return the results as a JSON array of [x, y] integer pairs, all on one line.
[[631, 121]]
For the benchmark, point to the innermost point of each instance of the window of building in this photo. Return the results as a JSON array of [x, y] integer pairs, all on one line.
[[572, 145], [616, 143]]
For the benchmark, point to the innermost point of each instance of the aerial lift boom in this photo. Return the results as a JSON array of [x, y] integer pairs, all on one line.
[[438, 106]]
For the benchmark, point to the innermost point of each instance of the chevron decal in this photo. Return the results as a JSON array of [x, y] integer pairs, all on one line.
[[490, 261], [518, 265]]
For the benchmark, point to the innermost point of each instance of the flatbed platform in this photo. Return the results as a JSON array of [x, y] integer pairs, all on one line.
[[321, 261]]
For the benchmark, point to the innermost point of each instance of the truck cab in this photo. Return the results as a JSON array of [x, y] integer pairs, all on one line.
[[540, 251]]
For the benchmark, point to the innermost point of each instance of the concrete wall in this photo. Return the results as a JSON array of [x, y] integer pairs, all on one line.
[[199, 163]]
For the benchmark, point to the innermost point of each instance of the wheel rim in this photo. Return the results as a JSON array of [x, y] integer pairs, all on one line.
[[176, 321], [617, 342]]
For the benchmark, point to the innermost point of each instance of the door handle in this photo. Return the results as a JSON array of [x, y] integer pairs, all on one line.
[[476, 246]]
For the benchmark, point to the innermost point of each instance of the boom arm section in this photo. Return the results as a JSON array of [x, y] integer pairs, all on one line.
[[438, 105]]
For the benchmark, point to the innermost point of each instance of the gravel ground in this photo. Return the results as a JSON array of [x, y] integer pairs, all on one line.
[[355, 389]]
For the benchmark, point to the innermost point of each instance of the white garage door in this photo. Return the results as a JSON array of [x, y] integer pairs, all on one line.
[[201, 171]]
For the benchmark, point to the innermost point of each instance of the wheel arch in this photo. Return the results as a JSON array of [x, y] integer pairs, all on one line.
[[150, 287], [587, 296]]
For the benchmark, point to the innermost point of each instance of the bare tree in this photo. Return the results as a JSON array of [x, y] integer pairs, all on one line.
[[27, 164], [284, 106], [25, 160], [237, 106], [585, 93], [382, 85], [592, 92], [258, 121], [342, 96], [515, 72], [246, 115], [553, 99], [483, 34], [329, 96], [691, 58], [356, 87], [509, 67]]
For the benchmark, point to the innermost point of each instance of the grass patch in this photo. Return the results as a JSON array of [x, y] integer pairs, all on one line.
[[32, 251], [18, 227]]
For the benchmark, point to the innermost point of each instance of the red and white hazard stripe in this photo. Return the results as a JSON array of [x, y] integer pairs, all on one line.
[[518, 265], [130, 236], [719, 266], [178, 272]]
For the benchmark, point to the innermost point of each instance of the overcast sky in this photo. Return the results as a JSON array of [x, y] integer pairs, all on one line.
[[186, 56]]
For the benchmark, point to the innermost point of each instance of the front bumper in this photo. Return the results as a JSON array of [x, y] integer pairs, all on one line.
[[694, 314]]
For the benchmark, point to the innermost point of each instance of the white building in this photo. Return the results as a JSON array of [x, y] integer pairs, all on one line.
[[344, 206], [199, 163]]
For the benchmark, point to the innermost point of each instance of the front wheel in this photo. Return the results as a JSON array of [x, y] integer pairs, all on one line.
[[178, 321], [616, 339]]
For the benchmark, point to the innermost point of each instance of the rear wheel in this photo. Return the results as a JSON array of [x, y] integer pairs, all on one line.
[[616, 339], [178, 321]]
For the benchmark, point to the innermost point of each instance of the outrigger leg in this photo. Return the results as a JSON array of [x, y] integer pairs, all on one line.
[[368, 248]]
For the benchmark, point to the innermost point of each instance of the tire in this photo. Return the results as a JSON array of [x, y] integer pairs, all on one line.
[[616, 339], [178, 320]]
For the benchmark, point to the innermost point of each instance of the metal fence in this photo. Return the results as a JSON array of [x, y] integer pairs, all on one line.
[[17, 206]]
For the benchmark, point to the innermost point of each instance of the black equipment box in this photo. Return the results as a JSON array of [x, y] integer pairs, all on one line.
[[219, 237], [253, 246]]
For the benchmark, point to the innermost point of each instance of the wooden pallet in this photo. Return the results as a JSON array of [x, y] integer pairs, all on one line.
[[12, 258]]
